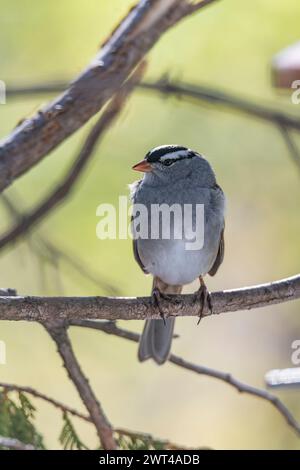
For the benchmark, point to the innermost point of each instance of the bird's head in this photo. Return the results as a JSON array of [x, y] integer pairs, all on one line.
[[172, 162]]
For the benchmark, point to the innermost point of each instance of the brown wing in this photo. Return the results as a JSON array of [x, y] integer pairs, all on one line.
[[219, 257]]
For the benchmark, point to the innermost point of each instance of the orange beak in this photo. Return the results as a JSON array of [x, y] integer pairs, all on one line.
[[143, 166]]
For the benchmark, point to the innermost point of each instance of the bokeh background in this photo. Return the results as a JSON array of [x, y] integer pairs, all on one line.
[[228, 46]]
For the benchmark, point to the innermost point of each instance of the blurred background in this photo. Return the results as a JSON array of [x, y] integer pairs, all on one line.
[[228, 46]]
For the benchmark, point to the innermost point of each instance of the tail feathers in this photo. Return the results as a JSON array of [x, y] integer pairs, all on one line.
[[156, 340], [157, 335]]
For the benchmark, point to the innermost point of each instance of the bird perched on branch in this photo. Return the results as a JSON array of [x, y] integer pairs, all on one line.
[[175, 178]]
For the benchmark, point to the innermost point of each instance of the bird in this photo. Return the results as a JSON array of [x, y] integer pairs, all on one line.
[[174, 174]]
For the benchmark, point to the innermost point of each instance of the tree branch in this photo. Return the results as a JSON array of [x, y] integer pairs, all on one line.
[[183, 90], [8, 387], [63, 189], [57, 404], [291, 146], [132, 39], [112, 329], [104, 429], [200, 93], [132, 308]]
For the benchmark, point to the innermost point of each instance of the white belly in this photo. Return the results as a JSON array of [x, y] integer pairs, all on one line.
[[172, 262]]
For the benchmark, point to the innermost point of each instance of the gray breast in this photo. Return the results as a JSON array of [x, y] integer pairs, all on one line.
[[170, 259]]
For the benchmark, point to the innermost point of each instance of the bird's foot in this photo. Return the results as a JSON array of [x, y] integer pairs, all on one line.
[[203, 297], [156, 298]]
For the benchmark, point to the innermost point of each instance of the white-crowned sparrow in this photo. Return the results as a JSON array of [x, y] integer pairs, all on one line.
[[176, 175]]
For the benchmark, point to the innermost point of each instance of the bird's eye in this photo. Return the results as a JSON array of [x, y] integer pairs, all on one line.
[[168, 162]]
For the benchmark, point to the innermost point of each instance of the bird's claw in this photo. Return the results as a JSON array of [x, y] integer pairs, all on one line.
[[204, 298], [156, 298]]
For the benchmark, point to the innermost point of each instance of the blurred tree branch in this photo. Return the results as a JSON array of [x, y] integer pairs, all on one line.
[[183, 90], [106, 80], [201, 93], [7, 388], [197, 94], [291, 146], [63, 189], [56, 329], [58, 333], [37, 136], [43, 309], [111, 328]]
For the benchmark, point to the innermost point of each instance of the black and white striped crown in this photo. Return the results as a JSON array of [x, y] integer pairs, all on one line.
[[168, 154]]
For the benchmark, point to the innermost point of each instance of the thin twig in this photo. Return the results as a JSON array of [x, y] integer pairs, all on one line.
[[200, 93], [197, 5], [14, 444], [148, 437], [140, 308], [184, 90], [291, 146], [31, 391], [113, 329], [8, 387]]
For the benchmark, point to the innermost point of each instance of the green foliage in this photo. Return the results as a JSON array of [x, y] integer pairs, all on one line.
[[17, 417], [68, 436], [139, 442], [16, 420]]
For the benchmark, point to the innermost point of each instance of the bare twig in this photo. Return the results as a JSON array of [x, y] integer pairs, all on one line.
[[31, 391], [132, 39], [62, 190], [104, 429], [188, 91], [240, 387], [148, 437], [113, 329], [14, 444], [291, 146], [16, 91], [197, 5], [132, 308], [200, 93]]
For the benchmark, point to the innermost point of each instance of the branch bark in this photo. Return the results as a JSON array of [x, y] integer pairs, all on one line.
[[58, 333], [132, 39], [43, 309]]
